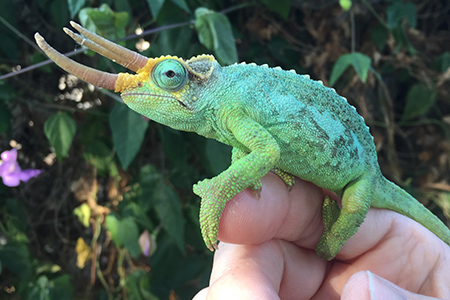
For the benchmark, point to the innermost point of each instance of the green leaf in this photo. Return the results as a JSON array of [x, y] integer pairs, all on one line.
[[442, 62], [402, 40], [128, 233], [137, 212], [182, 4], [123, 6], [128, 130], [379, 35], [124, 232], [98, 154], [175, 41], [360, 62], [16, 214], [138, 286], [104, 21], [39, 289], [281, 7], [60, 130], [419, 100], [155, 7], [168, 209], [214, 32], [112, 225], [83, 212], [59, 11], [166, 203], [75, 6], [172, 141], [397, 11], [16, 257], [61, 288]]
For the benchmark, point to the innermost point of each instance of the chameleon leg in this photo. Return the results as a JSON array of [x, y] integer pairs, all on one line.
[[355, 206], [245, 171], [287, 178], [237, 154], [330, 213]]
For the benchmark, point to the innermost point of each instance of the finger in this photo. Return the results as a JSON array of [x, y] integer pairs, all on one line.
[[396, 248], [367, 285], [201, 295], [272, 270], [292, 215], [391, 235]]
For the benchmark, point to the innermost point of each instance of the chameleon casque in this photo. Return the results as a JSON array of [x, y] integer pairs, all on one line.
[[274, 120]]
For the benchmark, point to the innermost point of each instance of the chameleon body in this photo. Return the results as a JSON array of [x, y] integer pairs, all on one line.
[[274, 120]]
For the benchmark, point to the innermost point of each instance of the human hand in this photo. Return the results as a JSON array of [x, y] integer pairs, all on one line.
[[273, 256]]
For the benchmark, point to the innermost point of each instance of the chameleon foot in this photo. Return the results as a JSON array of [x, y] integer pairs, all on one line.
[[213, 202], [287, 178], [327, 247], [340, 227]]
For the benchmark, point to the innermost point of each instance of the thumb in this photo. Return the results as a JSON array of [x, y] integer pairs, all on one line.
[[366, 285]]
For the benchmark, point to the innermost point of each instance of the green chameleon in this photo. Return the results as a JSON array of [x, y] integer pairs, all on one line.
[[274, 120]]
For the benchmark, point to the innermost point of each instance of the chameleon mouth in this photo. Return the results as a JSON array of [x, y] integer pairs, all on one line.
[[140, 94]]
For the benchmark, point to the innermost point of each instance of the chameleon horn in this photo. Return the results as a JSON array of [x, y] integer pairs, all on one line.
[[95, 77], [121, 55]]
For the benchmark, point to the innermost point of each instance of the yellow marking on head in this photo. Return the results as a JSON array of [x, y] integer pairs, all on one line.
[[127, 81]]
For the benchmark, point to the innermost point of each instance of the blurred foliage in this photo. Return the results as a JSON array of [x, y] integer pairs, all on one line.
[[114, 180]]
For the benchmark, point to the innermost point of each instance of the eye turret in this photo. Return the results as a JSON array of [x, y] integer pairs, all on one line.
[[170, 75]]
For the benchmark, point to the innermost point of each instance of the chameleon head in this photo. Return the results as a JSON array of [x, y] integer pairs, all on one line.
[[163, 89]]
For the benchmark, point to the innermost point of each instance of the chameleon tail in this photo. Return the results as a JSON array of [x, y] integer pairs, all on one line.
[[396, 199]]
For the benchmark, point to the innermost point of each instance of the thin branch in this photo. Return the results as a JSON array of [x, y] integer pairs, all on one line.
[[17, 32], [375, 14], [153, 30], [352, 21], [38, 65], [75, 52]]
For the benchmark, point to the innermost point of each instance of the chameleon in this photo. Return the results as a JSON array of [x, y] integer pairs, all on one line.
[[275, 120]]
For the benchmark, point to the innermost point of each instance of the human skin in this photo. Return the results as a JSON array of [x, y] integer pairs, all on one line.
[[267, 252]]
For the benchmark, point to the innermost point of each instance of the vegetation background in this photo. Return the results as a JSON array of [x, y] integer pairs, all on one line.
[[113, 215]]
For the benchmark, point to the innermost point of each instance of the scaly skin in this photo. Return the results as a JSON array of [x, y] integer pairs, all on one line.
[[273, 119], [278, 119]]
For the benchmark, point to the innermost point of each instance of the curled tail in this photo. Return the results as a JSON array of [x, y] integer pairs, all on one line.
[[395, 198]]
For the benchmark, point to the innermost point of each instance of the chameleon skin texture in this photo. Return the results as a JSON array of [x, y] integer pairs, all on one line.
[[273, 119]]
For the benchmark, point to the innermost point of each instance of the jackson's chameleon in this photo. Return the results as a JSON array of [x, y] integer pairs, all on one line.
[[274, 120]]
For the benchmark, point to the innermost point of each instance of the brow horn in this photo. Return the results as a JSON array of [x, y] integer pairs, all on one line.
[[117, 53], [121, 55]]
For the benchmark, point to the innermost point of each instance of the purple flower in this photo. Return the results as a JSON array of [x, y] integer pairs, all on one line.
[[144, 242], [147, 243], [11, 172]]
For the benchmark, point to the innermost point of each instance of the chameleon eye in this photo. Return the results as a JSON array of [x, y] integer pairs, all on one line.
[[170, 75]]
